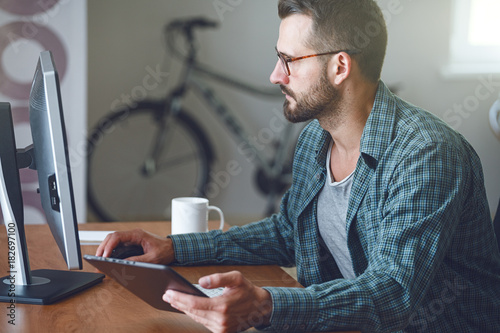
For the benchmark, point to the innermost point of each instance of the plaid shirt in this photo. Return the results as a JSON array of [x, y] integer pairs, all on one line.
[[418, 225]]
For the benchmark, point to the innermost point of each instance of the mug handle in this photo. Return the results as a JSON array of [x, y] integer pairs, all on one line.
[[494, 121], [220, 213]]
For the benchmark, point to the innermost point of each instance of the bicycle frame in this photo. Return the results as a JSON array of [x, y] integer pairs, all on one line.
[[191, 78]]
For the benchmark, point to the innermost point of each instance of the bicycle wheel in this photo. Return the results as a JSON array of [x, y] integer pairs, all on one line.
[[122, 183]]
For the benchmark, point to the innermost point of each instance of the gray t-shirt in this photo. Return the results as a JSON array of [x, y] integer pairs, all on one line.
[[332, 213]]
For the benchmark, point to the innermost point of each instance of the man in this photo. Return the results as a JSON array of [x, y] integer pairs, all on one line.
[[387, 219]]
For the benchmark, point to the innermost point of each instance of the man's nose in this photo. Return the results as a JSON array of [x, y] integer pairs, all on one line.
[[278, 76]]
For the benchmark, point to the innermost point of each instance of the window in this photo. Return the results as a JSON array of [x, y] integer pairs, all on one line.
[[475, 37], [484, 23]]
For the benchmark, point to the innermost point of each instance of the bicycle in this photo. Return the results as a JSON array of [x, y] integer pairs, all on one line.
[[168, 144]]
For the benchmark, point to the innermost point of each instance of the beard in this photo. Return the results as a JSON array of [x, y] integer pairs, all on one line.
[[321, 99]]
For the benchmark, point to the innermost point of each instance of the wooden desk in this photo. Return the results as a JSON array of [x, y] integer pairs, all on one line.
[[108, 307]]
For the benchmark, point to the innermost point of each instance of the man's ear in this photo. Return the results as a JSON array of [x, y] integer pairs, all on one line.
[[340, 68]]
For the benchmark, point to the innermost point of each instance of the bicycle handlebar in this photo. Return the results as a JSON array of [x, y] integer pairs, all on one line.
[[190, 24], [186, 27]]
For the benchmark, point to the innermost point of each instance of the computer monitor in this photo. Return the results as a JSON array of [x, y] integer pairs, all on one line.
[[49, 156]]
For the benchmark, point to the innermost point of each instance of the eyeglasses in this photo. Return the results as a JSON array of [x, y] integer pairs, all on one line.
[[286, 59]]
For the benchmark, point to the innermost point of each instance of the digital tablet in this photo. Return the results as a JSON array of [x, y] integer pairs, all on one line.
[[148, 281]]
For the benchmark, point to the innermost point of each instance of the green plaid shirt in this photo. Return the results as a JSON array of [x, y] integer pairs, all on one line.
[[418, 225]]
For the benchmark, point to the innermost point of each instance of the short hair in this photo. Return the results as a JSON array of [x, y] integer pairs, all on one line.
[[345, 25]]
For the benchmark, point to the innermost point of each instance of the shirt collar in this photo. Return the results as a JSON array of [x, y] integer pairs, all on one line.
[[378, 130]]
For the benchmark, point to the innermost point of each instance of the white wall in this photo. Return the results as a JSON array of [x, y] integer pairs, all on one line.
[[125, 37], [26, 29]]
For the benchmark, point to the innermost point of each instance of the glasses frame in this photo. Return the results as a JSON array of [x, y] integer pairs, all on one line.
[[285, 60]]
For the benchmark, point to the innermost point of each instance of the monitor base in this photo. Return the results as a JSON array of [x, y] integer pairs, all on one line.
[[48, 286]]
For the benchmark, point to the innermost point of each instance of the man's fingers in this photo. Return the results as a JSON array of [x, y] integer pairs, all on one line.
[[107, 245], [228, 280], [230, 312], [203, 310], [187, 303], [113, 240]]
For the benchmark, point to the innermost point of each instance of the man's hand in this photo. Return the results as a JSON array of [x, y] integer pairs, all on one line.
[[158, 250], [242, 305]]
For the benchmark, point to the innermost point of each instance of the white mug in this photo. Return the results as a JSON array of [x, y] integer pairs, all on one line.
[[190, 214]]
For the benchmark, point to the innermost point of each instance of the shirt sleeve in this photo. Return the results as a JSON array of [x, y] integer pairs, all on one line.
[[267, 242]]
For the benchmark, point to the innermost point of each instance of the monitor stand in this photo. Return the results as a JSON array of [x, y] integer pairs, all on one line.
[[47, 286], [41, 286]]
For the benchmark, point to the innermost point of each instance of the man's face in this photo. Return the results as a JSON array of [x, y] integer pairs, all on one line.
[[311, 104], [309, 93]]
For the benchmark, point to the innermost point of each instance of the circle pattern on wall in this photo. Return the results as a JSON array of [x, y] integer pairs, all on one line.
[[27, 30], [27, 7]]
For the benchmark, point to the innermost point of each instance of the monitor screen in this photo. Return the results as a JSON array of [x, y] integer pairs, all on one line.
[[52, 161]]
